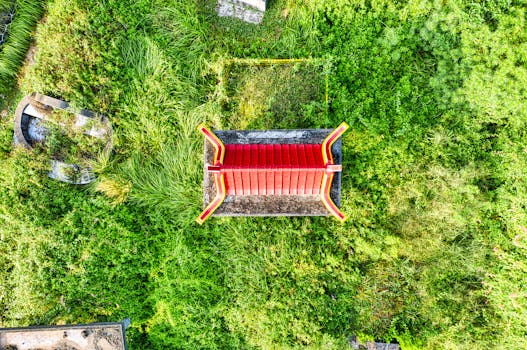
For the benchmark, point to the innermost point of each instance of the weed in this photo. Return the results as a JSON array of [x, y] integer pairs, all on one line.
[[116, 189]]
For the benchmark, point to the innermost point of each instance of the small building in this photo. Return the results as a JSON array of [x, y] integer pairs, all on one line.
[[272, 172]]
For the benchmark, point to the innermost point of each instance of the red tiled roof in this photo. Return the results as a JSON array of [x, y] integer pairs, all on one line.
[[273, 169]]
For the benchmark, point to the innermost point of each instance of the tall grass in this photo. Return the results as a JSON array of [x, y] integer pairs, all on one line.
[[13, 51], [168, 182], [281, 287], [182, 29]]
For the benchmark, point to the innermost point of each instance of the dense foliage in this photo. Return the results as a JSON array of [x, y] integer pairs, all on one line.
[[17, 20], [433, 254]]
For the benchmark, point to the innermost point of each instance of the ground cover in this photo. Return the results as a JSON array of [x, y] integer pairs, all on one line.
[[433, 252], [263, 94], [17, 20]]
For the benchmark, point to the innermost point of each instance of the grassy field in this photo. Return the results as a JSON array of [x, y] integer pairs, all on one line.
[[17, 20], [433, 254]]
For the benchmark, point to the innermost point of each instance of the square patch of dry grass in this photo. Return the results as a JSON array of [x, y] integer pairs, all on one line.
[[274, 94]]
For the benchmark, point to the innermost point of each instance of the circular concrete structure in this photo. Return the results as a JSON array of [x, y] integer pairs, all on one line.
[[31, 116]]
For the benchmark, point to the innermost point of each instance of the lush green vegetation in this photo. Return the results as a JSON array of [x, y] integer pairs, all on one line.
[[17, 36], [433, 254]]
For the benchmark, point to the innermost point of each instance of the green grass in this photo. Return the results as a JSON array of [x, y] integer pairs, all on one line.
[[264, 95], [13, 51], [434, 184]]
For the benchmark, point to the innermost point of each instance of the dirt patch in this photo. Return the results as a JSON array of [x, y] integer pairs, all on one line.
[[30, 56]]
